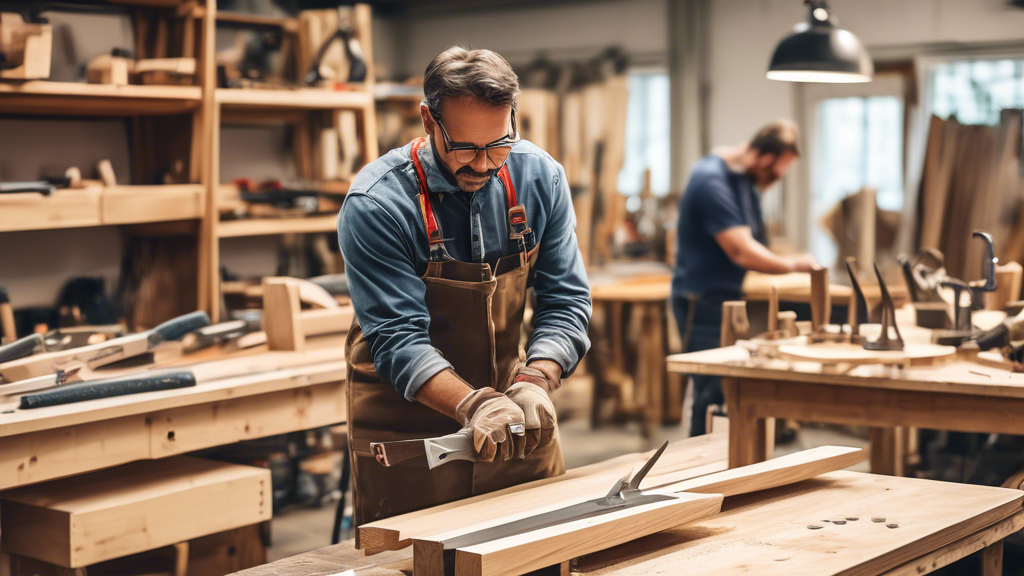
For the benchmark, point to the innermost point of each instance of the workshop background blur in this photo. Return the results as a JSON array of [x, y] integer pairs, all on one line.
[[626, 94]]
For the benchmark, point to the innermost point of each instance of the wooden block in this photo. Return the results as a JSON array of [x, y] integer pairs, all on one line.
[[133, 508], [1008, 278], [773, 309], [106, 171], [281, 314], [787, 324], [326, 321], [107, 69], [735, 324], [551, 546], [29, 45], [821, 303]]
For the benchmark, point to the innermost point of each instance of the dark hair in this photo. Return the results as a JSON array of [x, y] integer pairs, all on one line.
[[460, 72], [777, 138]]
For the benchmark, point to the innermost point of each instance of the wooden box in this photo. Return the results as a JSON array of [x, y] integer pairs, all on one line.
[[82, 520]]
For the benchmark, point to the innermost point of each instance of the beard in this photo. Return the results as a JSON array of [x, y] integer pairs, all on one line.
[[469, 180]]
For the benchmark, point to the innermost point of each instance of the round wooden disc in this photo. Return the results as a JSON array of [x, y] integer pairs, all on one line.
[[914, 354]]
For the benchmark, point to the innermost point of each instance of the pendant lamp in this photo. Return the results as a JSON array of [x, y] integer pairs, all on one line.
[[818, 51]]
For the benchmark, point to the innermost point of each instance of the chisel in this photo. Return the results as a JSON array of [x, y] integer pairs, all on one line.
[[457, 446], [104, 353]]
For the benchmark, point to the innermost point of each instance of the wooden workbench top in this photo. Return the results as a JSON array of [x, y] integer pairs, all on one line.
[[957, 377], [326, 363], [768, 533]]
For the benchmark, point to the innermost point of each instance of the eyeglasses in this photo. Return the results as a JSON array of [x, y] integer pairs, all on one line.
[[497, 151]]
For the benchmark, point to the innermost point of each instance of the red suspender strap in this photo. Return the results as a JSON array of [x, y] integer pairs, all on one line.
[[429, 222], [516, 214], [510, 190]]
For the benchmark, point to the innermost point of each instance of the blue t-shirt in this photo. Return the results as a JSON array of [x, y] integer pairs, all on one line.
[[715, 199]]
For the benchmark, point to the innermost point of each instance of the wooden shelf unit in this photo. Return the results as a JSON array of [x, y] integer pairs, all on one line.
[[152, 109]]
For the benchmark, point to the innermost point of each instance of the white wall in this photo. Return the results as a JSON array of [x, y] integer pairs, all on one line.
[[743, 34]]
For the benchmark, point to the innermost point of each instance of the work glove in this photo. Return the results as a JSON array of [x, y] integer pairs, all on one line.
[[529, 391], [496, 423]]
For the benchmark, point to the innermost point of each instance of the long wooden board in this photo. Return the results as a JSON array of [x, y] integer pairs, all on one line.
[[550, 546], [841, 353], [700, 455], [526, 552]]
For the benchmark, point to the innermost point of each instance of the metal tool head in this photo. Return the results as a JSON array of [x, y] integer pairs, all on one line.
[[862, 305], [988, 265], [634, 483]]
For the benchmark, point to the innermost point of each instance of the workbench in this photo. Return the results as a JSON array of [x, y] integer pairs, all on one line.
[[768, 533], [58, 441], [960, 396]]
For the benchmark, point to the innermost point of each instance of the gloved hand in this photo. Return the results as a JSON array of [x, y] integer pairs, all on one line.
[[490, 415], [538, 409]]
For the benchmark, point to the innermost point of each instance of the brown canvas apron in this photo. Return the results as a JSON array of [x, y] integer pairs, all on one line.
[[475, 320]]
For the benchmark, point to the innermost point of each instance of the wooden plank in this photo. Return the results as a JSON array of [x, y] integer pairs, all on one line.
[[767, 533], [270, 226], [190, 428], [62, 209], [307, 98], [133, 508], [134, 204], [781, 471], [335, 560], [522, 553], [821, 304], [577, 485], [844, 353], [550, 546], [52, 417], [48, 454], [290, 25]]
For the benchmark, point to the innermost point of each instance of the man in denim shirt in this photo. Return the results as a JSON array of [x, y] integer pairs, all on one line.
[[441, 240]]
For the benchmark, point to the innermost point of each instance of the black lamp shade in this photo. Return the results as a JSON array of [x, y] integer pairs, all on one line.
[[820, 52]]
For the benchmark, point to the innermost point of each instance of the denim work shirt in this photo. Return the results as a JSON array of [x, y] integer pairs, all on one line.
[[383, 240]]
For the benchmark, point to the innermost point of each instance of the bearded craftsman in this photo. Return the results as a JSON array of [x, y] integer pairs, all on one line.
[[721, 236], [442, 239]]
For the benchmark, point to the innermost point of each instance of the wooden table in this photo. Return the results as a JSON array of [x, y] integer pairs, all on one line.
[[47, 443], [767, 533], [960, 396]]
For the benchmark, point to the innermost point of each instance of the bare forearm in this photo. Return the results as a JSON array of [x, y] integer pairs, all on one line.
[[755, 256], [443, 392]]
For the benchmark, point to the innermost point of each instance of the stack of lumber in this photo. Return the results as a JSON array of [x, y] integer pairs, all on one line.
[[692, 472], [971, 181]]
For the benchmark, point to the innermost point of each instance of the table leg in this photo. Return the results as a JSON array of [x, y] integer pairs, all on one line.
[[887, 451], [748, 434], [992, 560]]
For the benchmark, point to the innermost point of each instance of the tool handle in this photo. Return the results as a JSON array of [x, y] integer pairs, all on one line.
[[21, 348], [458, 446], [108, 389]]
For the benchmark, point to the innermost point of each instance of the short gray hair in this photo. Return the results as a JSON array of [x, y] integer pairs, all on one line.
[[460, 72]]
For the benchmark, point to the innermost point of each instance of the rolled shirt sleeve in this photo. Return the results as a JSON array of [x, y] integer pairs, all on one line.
[[393, 313], [563, 308]]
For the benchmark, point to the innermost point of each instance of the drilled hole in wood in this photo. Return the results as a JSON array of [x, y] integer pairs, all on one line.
[[170, 436]]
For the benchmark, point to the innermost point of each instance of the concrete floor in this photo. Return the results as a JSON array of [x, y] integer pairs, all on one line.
[[298, 530]]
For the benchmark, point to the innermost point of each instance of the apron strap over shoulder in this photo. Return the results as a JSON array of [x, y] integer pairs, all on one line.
[[434, 235], [518, 228]]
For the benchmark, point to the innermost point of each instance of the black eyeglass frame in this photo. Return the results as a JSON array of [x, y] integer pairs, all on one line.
[[503, 142]]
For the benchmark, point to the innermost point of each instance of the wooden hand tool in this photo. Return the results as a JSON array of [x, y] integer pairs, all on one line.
[[624, 514], [284, 322], [25, 48], [104, 353], [8, 331]]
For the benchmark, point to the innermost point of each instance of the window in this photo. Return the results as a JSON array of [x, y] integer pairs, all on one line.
[[647, 135], [976, 91]]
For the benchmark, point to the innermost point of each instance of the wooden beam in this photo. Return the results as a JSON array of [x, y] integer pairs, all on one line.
[[133, 508]]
